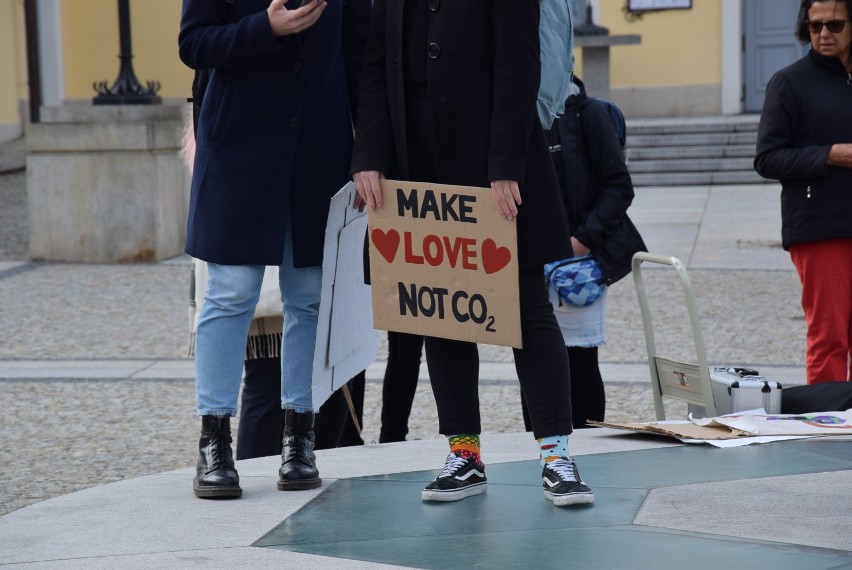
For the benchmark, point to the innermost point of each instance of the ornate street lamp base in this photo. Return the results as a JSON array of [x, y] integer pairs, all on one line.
[[127, 100], [126, 90]]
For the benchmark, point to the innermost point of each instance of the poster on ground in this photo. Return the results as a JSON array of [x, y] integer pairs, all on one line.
[[443, 263]]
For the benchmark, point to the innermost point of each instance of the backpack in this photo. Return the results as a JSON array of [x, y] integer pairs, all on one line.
[[617, 118], [202, 77]]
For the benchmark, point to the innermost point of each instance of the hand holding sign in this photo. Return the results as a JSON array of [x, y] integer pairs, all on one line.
[[507, 195], [444, 264]]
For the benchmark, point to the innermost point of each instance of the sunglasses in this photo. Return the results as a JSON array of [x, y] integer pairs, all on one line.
[[834, 26]]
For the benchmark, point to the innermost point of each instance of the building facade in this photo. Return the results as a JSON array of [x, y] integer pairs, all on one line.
[[710, 58]]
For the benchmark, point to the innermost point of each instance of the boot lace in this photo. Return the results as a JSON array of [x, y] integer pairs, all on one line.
[[220, 450], [564, 468]]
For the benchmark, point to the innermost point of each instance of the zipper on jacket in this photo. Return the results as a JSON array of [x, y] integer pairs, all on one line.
[[808, 196], [849, 80]]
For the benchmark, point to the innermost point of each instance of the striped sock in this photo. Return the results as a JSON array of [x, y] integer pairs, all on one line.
[[465, 445], [552, 447]]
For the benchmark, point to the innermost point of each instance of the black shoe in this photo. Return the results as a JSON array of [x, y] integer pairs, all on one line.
[[563, 485], [298, 461], [215, 475], [460, 478]]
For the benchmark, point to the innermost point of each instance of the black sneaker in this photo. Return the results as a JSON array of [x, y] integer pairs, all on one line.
[[563, 485], [460, 478]]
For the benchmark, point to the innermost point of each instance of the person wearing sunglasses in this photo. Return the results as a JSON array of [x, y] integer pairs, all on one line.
[[805, 142]]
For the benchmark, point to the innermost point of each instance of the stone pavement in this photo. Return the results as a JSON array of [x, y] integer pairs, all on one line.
[[95, 386]]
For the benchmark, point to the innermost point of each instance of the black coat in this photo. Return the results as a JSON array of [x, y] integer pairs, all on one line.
[[597, 189], [482, 74], [808, 108], [275, 132]]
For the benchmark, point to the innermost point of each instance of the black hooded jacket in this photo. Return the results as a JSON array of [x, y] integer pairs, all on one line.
[[595, 183]]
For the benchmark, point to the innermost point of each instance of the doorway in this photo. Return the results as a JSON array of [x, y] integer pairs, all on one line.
[[768, 45]]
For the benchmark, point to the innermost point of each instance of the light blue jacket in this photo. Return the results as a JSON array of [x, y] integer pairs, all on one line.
[[556, 34]]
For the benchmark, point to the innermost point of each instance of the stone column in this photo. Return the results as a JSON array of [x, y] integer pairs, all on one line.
[[596, 60], [105, 184]]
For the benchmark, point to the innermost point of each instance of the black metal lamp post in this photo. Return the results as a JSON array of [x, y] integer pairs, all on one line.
[[126, 90]]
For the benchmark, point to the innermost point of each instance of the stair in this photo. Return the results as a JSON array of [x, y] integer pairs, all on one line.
[[693, 151]]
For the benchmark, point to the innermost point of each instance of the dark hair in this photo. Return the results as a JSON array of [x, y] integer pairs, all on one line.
[[802, 33]]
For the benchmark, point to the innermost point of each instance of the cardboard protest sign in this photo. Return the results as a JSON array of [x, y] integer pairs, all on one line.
[[444, 263], [346, 340]]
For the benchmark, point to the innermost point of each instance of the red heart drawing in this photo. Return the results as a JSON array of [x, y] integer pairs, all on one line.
[[386, 243], [494, 258]]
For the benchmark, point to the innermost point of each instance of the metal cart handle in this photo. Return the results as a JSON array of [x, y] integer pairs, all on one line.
[[650, 344]]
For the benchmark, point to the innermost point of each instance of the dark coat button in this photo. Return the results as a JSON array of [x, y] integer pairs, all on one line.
[[434, 50], [294, 122], [434, 5], [297, 66]]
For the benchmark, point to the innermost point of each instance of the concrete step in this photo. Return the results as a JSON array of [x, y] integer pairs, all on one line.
[[698, 178], [692, 139], [677, 152], [13, 155], [690, 165], [739, 123]]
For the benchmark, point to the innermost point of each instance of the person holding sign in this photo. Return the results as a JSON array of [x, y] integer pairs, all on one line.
[[448, 96], [273, 147]]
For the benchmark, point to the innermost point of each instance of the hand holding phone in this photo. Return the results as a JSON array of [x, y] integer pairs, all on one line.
[[284, 21]]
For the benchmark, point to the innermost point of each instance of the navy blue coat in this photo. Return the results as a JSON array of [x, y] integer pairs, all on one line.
[[275, 131]]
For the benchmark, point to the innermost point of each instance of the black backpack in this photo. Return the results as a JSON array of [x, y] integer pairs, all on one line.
[[202, 77], [617, 118]]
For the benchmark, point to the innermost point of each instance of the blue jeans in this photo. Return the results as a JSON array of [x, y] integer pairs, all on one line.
[[232, 293]]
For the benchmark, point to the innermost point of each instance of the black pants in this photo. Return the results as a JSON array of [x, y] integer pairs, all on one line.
[[588, 398], [400, 384], [261, 427], [542, 367]]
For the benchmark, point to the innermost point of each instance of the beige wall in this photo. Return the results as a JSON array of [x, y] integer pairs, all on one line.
[[679, 57], [12, 68], [679, 47], [90, 37]]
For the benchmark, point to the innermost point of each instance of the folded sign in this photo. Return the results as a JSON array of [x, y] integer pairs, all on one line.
[[443, 263]]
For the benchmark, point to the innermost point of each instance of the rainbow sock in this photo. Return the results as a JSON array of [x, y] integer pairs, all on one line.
[[465, 445], [552, 447]]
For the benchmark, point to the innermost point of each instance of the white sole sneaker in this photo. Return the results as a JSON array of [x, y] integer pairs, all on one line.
[[572, 499], [453, 495]]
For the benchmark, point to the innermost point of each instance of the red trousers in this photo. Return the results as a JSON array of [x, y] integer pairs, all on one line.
[[825, 269]]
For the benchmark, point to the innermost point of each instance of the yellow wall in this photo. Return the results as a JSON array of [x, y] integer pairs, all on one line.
[[11, 44], [90, 36], [679, 47]]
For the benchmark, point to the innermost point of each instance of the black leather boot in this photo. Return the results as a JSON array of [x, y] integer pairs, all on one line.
[[215, 476], [298, 461]]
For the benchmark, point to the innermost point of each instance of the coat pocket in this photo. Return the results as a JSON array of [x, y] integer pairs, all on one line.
[[221, 108]]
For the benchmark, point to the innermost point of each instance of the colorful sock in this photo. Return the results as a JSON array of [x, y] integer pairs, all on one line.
[[466, 445], [552, 447]]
